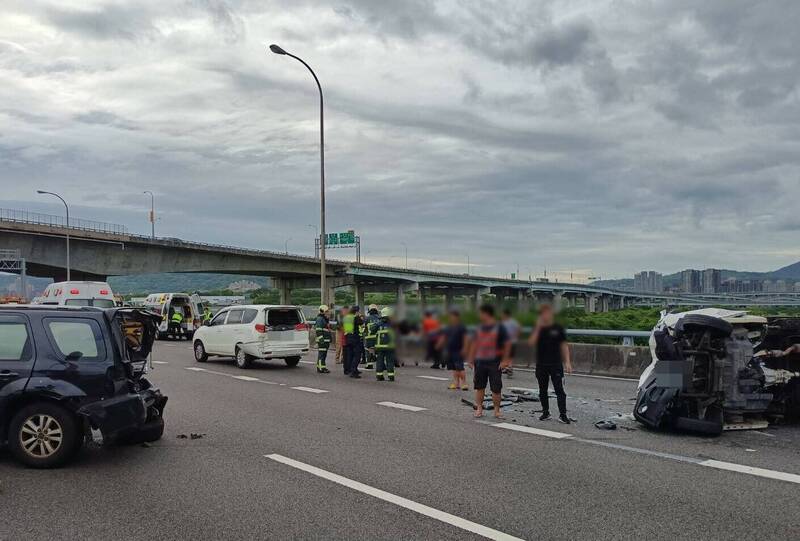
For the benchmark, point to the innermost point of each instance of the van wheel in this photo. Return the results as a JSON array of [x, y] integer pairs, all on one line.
[[292, 361], [243, 360], [200, 354], [44, 435]]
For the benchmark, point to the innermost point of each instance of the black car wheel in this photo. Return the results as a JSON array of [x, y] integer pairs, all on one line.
[[44, 435], [243, 360], [693, 323], [292, 361], [200, 354]]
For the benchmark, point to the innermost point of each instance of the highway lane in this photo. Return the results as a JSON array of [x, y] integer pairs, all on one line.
[[520, 484]]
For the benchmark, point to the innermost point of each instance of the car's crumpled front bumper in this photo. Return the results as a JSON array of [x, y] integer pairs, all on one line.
[[126, 414]]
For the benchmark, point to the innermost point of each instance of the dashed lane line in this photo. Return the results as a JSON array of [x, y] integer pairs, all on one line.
[[160, 362], [422, 509], [401, 406], [437, 378], [531, 430], [310, 390], [232, 376]]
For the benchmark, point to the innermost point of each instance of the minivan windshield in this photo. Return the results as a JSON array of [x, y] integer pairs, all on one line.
[[283, 317]]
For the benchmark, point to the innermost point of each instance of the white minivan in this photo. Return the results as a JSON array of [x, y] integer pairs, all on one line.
[[190, 306], [74, 293], [255, 331]]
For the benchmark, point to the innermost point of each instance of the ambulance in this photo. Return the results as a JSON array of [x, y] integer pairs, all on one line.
[[97, 294], [165, 304]]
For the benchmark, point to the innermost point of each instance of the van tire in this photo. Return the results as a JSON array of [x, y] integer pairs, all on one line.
[[292, 361], [242, 359], [200, 354], [71, 435]]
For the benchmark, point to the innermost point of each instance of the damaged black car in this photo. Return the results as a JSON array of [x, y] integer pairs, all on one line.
[[70, 373], [716, 370]]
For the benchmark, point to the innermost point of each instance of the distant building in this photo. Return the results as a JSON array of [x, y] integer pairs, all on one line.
[[243, 286], [711, 280], [690, 281], [648, 282]]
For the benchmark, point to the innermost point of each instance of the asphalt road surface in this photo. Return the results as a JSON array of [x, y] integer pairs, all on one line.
[[283, 453]]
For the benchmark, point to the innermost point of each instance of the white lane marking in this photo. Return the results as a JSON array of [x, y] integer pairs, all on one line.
[[160, 362], [401, 406], [196, 369], [531, 430], [245, 378], [310, 390], [308, 362], [716, 464], [422, 509], [437, 378], [750, 470]]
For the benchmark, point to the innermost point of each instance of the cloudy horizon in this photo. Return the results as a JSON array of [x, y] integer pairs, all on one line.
[[600, 137]]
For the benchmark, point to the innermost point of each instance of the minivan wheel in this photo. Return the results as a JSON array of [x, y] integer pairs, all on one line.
[[200, 354], [243, 360], [292, 361], [44, 435]]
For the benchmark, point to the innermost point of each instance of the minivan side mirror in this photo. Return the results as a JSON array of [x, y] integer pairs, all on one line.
[[74, 356], [207, 323]]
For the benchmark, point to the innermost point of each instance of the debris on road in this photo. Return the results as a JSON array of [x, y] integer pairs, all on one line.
[[606, 424], [191, 436]]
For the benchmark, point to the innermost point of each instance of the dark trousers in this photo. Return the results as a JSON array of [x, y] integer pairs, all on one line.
[[431, 352], [352, 355], [322, 355], [545, 374], [385, 363]]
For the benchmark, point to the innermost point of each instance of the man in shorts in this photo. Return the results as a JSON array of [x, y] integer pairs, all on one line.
[[489, 352], [454, 341]]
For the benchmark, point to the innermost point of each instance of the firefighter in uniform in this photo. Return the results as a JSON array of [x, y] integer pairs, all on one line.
[[385, 346], [370, 328], [322, 329], [351, 324], [207, 314]]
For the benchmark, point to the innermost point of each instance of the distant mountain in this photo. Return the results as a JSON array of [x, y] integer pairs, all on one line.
[[178, 281], [791, 272]]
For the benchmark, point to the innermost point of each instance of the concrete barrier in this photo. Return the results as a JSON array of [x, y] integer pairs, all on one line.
[[593, 359]]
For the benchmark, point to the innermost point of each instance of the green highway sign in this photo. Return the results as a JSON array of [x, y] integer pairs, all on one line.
[[346, 239]]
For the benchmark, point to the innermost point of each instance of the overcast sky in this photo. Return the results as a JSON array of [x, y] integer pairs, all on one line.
[[600, 136]]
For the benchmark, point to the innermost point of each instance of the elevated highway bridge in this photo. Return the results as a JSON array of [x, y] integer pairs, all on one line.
[[99, 250]]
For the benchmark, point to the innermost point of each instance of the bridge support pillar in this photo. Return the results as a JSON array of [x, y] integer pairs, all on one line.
[[284, 290], [557, 300], [522, 301], [604, 303], [423, 298], [449, 301], [358, 293], [590, 302]]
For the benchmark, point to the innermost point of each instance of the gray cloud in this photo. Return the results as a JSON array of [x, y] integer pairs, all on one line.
[[583, 135]]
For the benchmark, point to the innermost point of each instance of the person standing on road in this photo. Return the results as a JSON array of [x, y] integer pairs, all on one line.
[[352, 342], [488, 354], [373, 319], [454, 341], [552, 357], [385, 346], [513, 330], [322, 330], [430, 333], [340, 315]]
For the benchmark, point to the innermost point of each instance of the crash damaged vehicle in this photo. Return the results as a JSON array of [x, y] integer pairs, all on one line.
[[716, 370], [72, 373]]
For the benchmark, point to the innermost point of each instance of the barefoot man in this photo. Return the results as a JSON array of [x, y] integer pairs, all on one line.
[[489, 353]]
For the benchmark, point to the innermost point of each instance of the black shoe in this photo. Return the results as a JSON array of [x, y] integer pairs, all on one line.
[[391, 378], [435, 366], [346, 373], [325, 371], [355, 376], [379, 378], [544, 416], [564, 419]]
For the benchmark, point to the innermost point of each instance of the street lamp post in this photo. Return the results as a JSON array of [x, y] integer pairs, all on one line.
[[405, 247], [67, 208], [286, 245], [152, 214], [467, 264], [323, 277]]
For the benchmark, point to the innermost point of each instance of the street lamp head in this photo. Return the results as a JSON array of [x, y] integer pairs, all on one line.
[[276, 49], [40, 191]]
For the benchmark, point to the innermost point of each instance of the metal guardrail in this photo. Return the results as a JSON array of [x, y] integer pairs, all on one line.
[[24, 216]]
